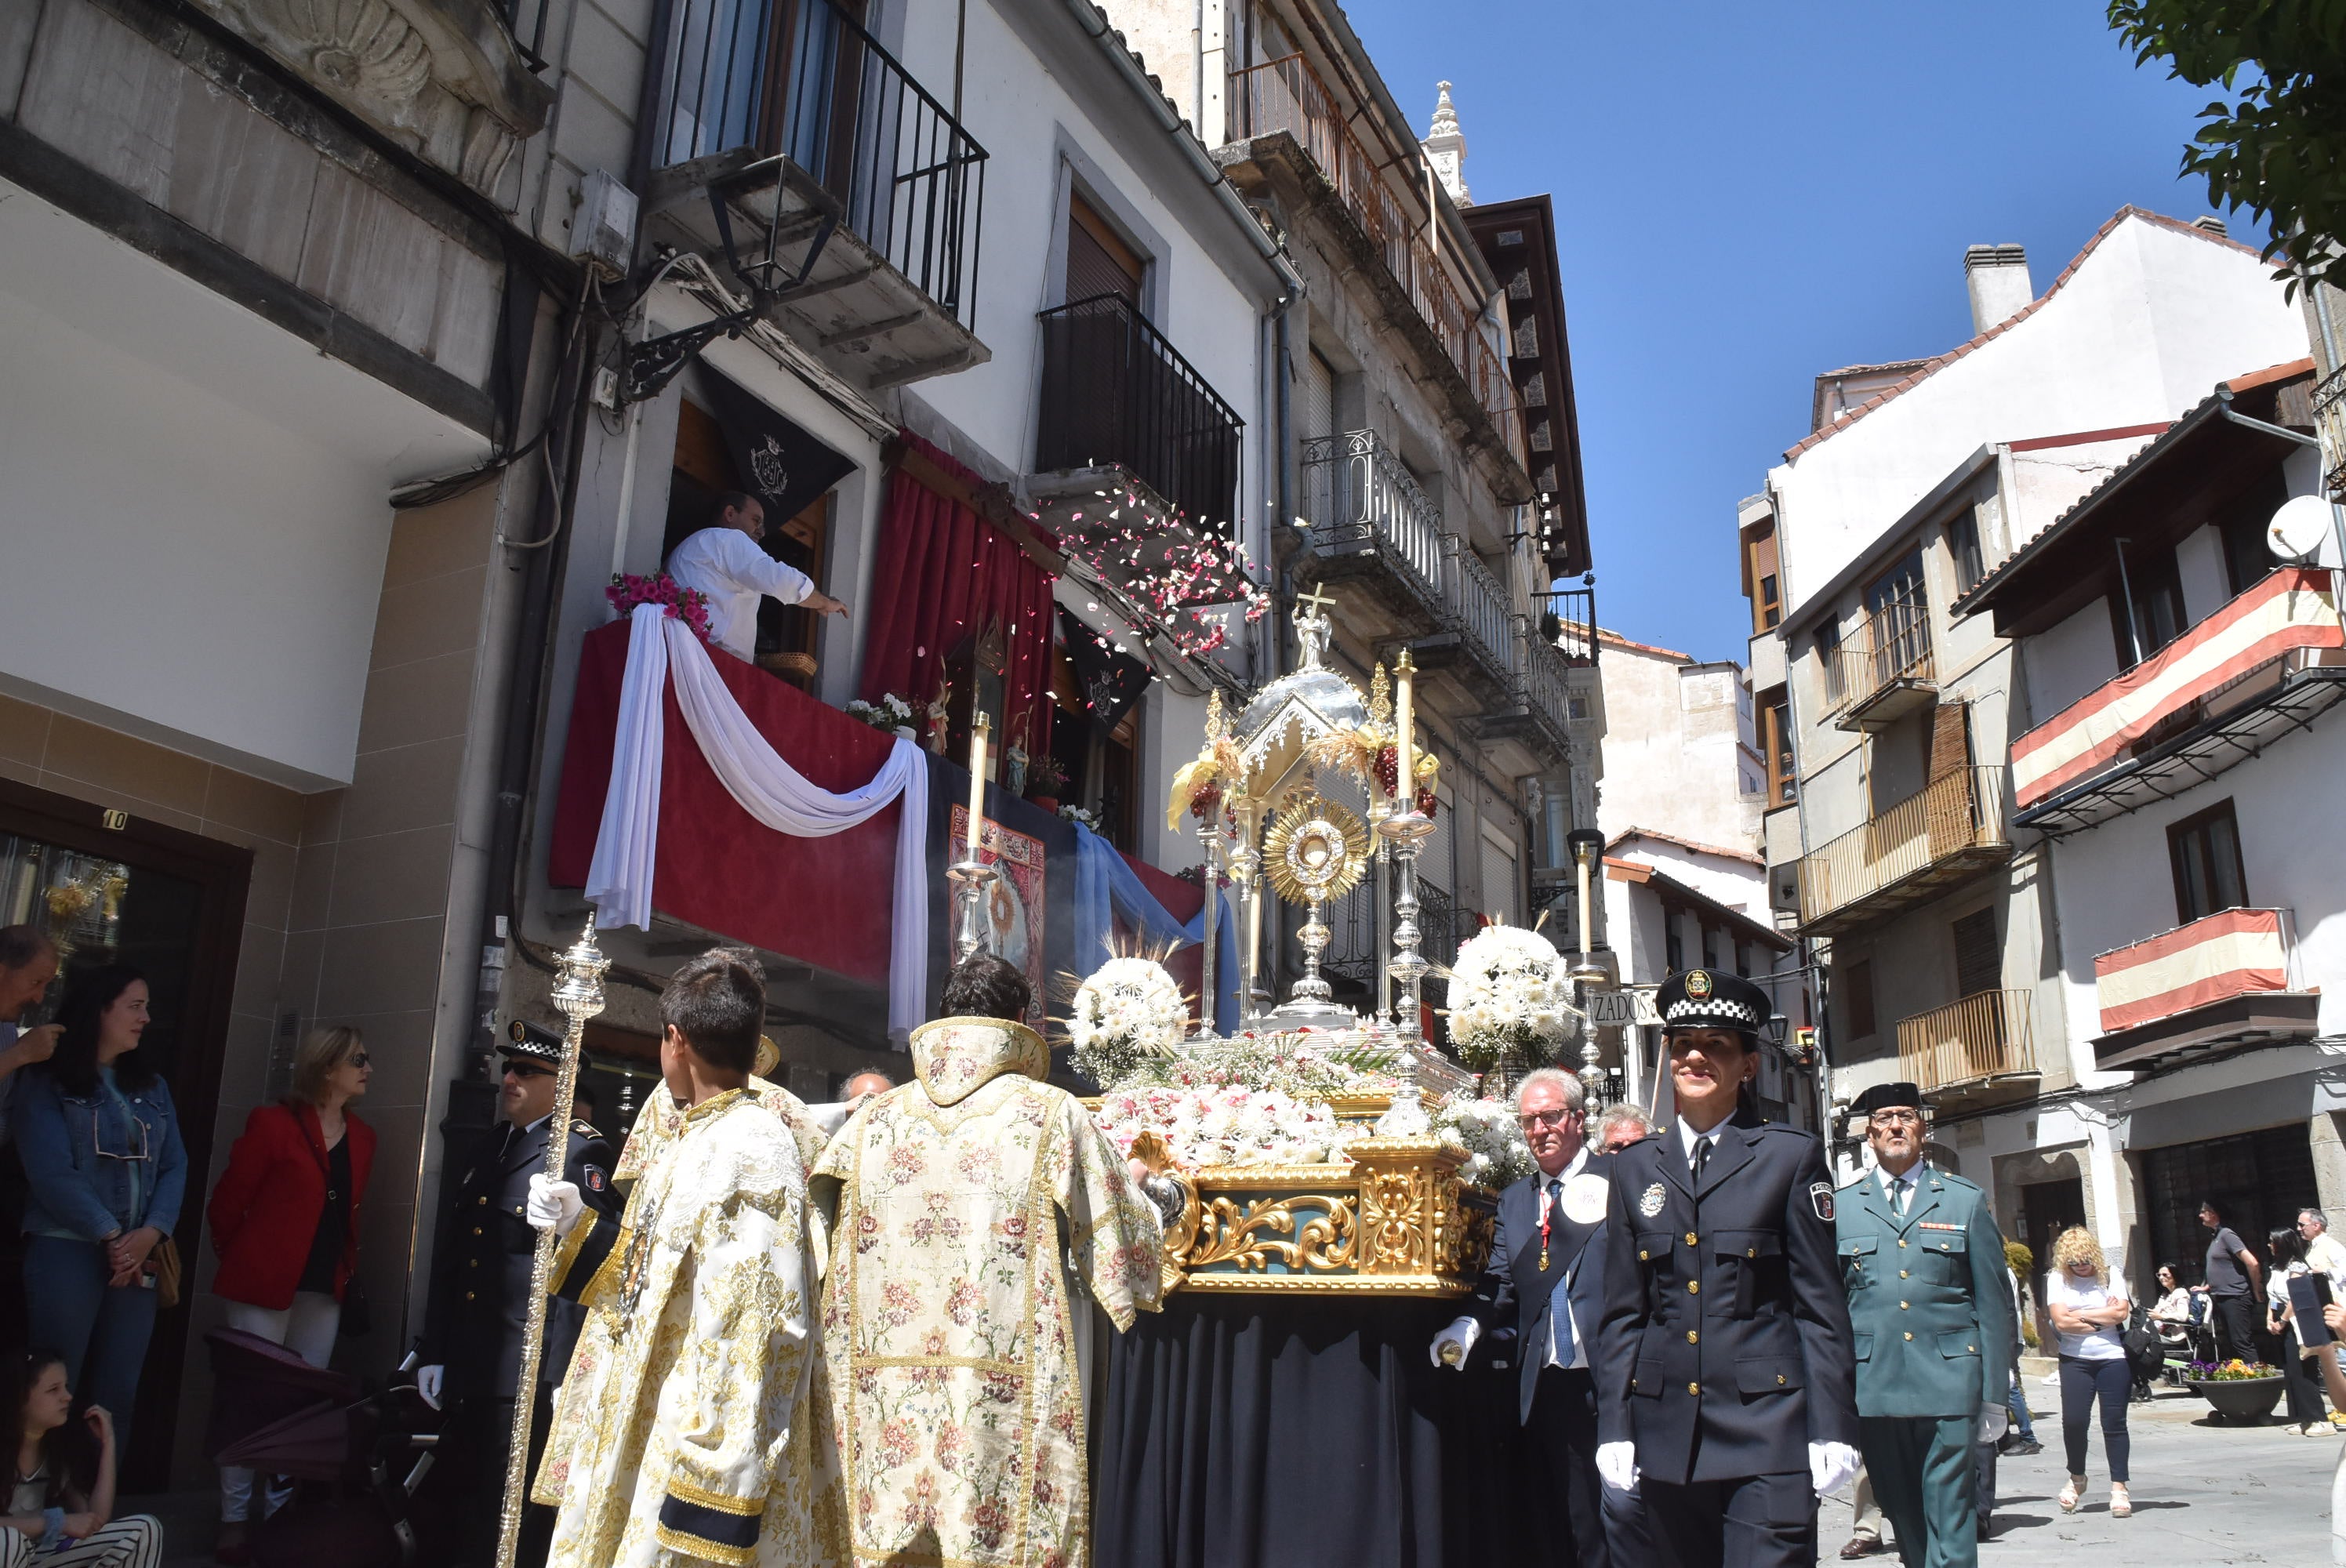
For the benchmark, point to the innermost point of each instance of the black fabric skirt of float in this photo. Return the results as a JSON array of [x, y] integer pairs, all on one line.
[[1269, 1430]]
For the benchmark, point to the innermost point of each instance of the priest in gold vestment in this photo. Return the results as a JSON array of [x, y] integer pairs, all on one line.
[[947, 1308], [580, 1394], [698, 1445]]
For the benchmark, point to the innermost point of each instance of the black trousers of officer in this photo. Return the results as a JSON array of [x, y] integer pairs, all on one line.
[[483, 1439], [1757, 1521], [1563, 1429]]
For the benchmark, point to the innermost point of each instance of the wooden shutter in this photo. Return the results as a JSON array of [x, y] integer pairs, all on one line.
[[1949, 805], [1318, 388], [1098, 260], [1978, 963]]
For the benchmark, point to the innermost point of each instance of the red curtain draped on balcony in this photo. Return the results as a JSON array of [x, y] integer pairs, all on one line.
[[945, 574]]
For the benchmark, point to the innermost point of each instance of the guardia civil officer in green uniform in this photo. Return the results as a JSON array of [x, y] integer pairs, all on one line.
[[1932, 1314], [1723, 1383]]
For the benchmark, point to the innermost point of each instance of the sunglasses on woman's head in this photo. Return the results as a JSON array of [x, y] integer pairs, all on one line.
[[359, 1059]]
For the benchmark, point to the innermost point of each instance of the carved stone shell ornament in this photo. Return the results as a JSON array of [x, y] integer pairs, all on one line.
[[362, 47]]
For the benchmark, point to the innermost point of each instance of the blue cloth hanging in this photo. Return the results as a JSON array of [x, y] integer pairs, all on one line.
[[1107, 890]]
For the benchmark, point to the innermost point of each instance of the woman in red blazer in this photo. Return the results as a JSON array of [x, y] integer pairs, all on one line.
[[284, 1219]]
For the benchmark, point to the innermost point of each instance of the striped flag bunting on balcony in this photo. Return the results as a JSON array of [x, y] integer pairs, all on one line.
[[2291, 608], [2229, 953]]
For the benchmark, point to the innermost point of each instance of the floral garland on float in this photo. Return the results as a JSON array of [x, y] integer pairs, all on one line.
[[689, 605]]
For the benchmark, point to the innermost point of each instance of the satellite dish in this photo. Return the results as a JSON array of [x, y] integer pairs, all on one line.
[[2303, 532]]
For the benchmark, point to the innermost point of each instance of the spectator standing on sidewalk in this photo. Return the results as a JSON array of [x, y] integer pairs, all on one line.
[[2235, 1282], [28, 961], [106, 1171], [2300, 1375], [285, 1222], [2089, 1313]]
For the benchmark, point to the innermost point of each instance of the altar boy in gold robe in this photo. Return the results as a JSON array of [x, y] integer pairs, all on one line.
[[700, 1446]]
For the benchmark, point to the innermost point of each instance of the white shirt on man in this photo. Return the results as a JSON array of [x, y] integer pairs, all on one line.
[[1560, 1303], [734, 571]]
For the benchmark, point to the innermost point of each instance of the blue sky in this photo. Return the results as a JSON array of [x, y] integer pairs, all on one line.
[[1751, 194]]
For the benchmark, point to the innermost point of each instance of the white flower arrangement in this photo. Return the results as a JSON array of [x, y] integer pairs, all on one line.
[[1496, 1154], [1082, 816], [1128, 1011], [1509, 999], [1223, 1127]]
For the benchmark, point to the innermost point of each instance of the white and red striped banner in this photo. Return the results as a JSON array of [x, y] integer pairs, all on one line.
[[2292, 608], [2229, 953]]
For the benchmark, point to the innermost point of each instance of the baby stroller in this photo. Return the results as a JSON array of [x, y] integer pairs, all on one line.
[[274, 1413]]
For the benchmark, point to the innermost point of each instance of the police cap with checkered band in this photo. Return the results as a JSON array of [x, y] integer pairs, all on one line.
[[1705, 999]]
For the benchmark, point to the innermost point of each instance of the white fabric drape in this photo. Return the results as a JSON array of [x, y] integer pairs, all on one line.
[[620, 880]]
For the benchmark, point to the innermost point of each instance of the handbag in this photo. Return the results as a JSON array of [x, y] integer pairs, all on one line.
[[163, 1263]]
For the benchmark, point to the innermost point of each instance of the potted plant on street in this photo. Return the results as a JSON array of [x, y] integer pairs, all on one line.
[[2236, 1391], [1045, 777]]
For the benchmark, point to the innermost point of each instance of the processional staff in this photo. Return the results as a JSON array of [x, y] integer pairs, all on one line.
[[580, 997]]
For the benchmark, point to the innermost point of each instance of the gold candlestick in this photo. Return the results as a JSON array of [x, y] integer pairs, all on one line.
[[580, 997]]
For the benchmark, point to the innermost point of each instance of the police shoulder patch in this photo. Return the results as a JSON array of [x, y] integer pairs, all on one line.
[[1820, 1199], [596, 1181], [1649, 1202]]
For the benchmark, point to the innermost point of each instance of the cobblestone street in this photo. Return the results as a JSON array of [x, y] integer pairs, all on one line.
[[2203, 1495]]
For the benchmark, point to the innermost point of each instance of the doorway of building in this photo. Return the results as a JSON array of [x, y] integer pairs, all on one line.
[[171, 904], [2260, 1180], [2046, 1209]]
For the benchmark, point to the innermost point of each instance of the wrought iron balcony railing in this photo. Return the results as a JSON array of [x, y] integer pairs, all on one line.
[[1568, 623], [1949, 829], [1959, 1050], [1477, 604], [1357, 492], [801, 80], [1287, 95], [1116, 391], [2330, 419], [1885, 670]]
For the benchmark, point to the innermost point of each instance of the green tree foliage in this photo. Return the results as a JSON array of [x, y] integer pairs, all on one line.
[[2277, 147]]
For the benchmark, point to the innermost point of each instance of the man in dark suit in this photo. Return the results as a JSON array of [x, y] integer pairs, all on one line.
[[479, 1304], [1725, 1388], [1539, 1303]]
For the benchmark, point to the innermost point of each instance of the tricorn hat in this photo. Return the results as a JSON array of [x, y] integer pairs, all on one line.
[[1883, 1096], [1705, 999]]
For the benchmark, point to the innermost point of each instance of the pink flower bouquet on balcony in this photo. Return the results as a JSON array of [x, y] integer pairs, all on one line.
[[687, 605]]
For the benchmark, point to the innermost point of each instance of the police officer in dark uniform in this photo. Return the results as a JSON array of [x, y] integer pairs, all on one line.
[[1726, 1393], [480, 1296]]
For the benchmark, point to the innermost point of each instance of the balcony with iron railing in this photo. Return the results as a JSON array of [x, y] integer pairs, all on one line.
[[2225, 982], [2256, 668], [1978, 1052], [2330, 420], [788, 146], [1287, 95], [1133, 442], [1884, 672], [1368, 525], [1947, 831]]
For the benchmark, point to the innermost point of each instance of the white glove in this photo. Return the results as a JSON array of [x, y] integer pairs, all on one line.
[[1994, 1420], [427, 1384], [554, 1206], [1618, 1463], [1454, 1344], [1831, 1466]]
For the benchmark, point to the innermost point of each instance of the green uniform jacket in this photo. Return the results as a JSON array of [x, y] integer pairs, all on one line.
[[1929, 1300]]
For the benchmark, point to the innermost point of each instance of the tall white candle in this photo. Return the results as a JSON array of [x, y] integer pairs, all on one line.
[[978, 730], [1405, 768]]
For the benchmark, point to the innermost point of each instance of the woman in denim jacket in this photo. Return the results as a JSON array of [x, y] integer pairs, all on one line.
[[104, 1170]]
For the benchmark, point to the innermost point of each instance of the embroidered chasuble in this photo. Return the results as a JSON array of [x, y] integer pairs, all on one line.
[[684, 1425], [961, 1202], [581, 1390]]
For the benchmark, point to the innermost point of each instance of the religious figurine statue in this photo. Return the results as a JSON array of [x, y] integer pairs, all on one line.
[[1313, 629], [949, 1348]]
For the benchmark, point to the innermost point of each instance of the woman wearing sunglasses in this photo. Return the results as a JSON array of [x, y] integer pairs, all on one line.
[[285, 1218], [104, 1171]]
